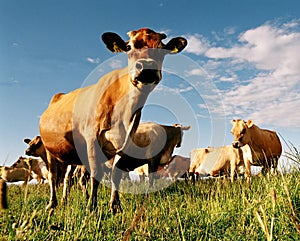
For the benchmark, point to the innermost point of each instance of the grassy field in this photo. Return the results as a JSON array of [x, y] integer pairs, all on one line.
[[213, 209]]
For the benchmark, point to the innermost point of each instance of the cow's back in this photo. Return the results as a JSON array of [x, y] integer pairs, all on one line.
[[15, 174], [265, 144], [77, 114]]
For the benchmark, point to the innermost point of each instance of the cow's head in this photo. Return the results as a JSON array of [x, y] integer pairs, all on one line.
[[181, 129], [240, 132], [145, 51], [21, 162], [36, 147]]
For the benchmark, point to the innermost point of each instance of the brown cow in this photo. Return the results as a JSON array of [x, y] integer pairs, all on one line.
[[264, 144], [178, 167], [37, 167], [93, 124]]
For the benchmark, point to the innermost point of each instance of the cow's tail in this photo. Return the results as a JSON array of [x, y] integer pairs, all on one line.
[[3, 195]]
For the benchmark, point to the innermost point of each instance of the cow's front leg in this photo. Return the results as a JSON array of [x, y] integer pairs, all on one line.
[[153, 167], [233, 169], [247, 170], [52, 182], [92, 201], [116, 175], [95, 157], [83, 181]]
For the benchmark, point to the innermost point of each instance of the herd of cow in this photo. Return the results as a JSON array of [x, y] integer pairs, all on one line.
[[95, 131]]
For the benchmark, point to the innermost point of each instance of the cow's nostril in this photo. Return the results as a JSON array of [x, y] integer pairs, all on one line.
[[144, 64], [139, 66]]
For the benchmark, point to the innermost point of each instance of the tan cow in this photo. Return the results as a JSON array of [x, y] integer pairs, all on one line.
[[152, 144], [152, 148], [37, 167], [11, 174], [217, 161], [264, 144], [90, 125]]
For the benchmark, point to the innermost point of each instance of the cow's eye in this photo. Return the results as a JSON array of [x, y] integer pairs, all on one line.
[[243, 131], [139, 44], [128, 47]]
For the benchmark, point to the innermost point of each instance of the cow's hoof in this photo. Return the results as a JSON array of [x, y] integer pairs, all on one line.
[[115, 208]]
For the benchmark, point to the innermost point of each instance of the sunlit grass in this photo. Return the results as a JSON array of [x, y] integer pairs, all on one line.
[[213, 209]]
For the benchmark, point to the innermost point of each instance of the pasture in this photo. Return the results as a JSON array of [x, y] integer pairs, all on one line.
[[213, 209]]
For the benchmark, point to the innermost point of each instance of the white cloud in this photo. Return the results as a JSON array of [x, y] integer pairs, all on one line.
[[271, 93], [197, 44], [93, 60], [196, 72]]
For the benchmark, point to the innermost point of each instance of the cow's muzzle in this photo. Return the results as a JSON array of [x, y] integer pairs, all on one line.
[[28, 152], [147, 72], [236, 144]]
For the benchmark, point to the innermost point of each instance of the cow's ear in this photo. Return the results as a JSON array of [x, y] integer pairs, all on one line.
[[176, 45], [250, 123], [233, 121], [114, 42], [27, 140]]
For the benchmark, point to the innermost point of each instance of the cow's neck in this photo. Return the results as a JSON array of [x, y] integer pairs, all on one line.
[[125, 115]]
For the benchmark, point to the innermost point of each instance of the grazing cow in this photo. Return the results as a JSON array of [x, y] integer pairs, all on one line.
[[37, 167], [217, 161], [264, 145], [11, 174], [90, 125], [178, 167]]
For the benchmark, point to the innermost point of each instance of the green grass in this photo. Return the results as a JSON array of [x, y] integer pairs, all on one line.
[[213, 209]]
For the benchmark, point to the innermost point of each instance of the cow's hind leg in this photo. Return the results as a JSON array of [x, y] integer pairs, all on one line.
[[52, 182], [67, 183]]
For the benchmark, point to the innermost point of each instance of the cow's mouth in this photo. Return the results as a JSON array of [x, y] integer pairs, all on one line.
[[236, 144], [147, 76], [146, 72]]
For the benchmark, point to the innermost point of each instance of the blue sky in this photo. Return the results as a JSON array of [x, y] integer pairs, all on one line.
[[242, 61]]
